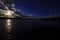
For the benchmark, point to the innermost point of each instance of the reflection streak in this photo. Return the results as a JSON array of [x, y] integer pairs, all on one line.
[[8, 25]]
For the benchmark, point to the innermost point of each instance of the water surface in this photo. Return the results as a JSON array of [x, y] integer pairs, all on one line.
[[17, 29]]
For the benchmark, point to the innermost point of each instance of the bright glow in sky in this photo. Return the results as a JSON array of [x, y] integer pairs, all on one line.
[[9, 13]]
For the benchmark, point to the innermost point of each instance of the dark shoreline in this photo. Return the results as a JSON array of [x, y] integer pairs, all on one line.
[[33, 18]]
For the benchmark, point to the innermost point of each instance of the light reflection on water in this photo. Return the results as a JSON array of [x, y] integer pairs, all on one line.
[[8, 25], [8, 28]]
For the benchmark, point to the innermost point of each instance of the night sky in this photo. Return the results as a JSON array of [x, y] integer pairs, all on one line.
[[38, 8]]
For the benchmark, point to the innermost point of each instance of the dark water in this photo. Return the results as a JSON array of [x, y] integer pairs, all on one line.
[[16, 29]]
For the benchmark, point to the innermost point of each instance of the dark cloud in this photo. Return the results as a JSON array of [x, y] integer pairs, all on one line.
[[9, 2]]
